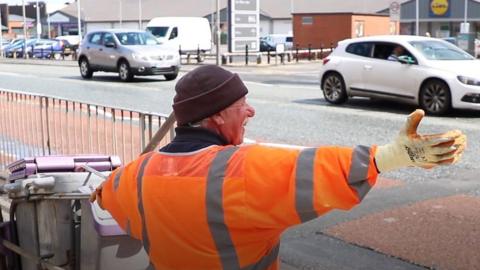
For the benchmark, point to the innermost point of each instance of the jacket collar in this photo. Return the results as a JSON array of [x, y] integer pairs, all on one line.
[[188, 139]]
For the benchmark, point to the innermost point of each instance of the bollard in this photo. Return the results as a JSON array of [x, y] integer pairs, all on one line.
[[289, 56], [321, 51], [296, 56], [224, 59], [259, 58], [246, 54], [309, 52], [282, 56], [188, 58], [198, 54], [331, 46], [268, 56]]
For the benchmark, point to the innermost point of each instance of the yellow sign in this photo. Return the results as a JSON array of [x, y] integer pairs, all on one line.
[[439, 7]]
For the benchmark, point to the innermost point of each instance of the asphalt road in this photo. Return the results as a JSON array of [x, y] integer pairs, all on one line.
[[290, 109]]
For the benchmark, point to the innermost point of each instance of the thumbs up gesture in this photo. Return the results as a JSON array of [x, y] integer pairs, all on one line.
[[425, 151]]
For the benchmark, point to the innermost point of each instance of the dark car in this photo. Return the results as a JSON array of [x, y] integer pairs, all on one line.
[[265, 46]]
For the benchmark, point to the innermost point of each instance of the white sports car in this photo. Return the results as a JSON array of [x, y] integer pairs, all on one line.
[[428, 72]]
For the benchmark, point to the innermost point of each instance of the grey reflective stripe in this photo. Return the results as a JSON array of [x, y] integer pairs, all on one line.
[[304, 185], [128, 230], [116, 180], [357, 178], [266, 261], [145, 240], [215, 214]]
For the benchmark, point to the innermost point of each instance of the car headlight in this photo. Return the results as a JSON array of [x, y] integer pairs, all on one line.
[[137, 56], [469, 80]]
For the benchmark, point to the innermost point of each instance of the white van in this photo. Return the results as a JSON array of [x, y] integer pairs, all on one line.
[[185, 33]]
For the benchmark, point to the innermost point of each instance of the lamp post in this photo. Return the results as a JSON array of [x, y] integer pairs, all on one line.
[[39, 25], [1, 33], [417, 26], [121, 12], [140, 14], [24, 30], [218, 32], [79, 21]]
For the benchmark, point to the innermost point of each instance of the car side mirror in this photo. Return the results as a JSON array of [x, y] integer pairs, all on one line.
[[110, 45], [405, 59]]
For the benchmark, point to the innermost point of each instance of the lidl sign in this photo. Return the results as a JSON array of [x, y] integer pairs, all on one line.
[[439, 8]]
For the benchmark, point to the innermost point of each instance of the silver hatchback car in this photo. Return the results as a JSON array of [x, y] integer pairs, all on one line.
[[128, 52]]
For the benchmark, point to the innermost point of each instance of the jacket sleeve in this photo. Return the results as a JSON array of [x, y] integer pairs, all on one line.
[[119, 197], [286, 187]]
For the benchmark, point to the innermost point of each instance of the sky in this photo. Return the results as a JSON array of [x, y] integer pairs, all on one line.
[[52, 5]]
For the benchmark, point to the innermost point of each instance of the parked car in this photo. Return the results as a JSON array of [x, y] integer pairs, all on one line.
[[51, 48], [128, 52], [265, 46], [431, 73], [275, 39], [16, 48]]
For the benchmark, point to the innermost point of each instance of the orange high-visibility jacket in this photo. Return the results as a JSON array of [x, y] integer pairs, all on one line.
[[224, 207]]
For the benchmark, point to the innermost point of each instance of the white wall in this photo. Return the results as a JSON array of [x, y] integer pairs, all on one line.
[[265, 27], [95, 26], [128, 25], [282, 27], [116, 24]]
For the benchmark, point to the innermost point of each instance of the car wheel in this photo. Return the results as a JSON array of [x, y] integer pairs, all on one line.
[[85, 69], [435, 97], [170, 77], [334, 89], [124, 71]]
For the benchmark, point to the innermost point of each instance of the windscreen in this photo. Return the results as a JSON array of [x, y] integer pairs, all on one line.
[[136, 38], [158, 31], [440, 50]]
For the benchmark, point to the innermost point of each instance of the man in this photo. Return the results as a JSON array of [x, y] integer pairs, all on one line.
[[397, 52], [202, 202]]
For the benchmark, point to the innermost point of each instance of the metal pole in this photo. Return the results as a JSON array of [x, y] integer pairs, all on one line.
[[48, 23], [121, 11], [140, 14], [24, 30], [1, 34], [466, 10], [39, 25], [218, 32], [417, 27], [79, 21]]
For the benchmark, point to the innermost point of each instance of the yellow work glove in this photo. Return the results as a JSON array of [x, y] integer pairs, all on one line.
[[425, 151], [97, 196]]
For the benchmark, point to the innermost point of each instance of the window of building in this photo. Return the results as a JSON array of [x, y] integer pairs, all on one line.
[[360, 48], [359, 28], [307, 20]]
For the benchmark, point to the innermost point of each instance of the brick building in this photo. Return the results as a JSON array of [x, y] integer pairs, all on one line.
[[325, 30], [324, 23]]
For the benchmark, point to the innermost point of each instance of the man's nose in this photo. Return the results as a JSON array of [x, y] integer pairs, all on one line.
[[250, 111]]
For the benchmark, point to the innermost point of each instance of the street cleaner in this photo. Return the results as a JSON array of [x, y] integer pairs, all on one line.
[[205, 201]]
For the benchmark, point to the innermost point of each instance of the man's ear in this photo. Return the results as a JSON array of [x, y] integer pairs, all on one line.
[[217, 119]]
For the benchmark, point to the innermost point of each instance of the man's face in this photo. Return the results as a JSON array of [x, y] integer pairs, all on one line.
[[235, 118]]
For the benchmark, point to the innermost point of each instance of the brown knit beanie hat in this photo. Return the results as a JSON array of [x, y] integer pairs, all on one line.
[[205, 91]]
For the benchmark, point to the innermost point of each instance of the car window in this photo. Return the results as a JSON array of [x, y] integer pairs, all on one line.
[[136, 38], [360, 48], [160, 31], [96, 38], [174, 33], [440, 50], [391, 51], [108, 38]]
